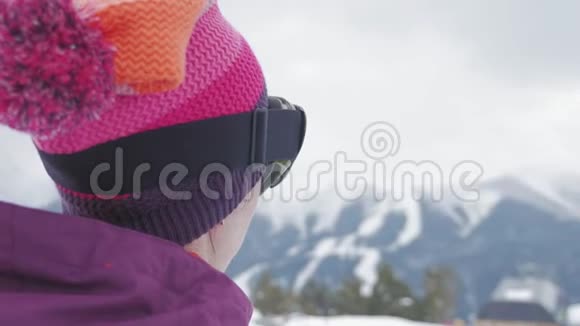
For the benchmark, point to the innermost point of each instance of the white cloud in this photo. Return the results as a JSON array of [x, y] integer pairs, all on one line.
[[494, 81]]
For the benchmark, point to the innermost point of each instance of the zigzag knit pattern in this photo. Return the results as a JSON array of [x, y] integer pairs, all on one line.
[[222, 77], [151, 38]]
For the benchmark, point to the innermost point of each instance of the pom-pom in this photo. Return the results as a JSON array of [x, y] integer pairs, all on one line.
[[56, 68]]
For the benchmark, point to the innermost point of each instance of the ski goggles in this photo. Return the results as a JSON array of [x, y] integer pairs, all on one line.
[[266, 139], [276, 171]]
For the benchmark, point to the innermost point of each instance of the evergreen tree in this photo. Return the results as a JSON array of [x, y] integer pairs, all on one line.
[[270, 298], [316, 299], [392, 297], [349, 300], [439, 303]]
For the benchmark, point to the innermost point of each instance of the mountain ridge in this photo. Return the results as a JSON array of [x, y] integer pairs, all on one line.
[[483, 241]]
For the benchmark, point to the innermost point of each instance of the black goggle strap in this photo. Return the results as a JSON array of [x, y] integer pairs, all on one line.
[[261, 137]]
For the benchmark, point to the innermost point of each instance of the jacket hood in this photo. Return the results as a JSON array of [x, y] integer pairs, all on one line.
[[67, 270]]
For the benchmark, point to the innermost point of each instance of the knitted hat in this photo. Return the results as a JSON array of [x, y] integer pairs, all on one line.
[[77, 74]]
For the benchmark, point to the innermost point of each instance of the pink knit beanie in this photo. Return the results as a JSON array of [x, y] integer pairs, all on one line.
[[78, 74]]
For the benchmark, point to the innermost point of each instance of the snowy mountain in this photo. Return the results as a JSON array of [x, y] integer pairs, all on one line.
[[516, 222]]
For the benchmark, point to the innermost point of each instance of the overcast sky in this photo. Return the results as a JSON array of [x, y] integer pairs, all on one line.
[[495, 81]]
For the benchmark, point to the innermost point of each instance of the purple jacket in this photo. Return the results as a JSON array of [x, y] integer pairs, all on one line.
[[62, 270]]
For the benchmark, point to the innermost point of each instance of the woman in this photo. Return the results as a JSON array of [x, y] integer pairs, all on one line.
[[152, 117]]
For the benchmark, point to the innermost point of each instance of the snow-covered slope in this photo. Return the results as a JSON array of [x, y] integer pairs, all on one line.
[[545, 193], [560, 196], [574, 315], [338, 321], [516, 221]]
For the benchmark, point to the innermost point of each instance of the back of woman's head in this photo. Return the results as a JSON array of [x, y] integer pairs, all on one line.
[[131, 74]]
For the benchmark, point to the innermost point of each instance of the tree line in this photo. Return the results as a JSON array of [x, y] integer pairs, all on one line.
[[389, 296]]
